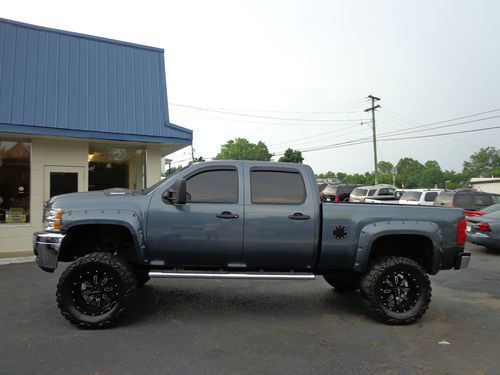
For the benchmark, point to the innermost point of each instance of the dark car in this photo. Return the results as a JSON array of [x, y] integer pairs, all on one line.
[[484, 230], [337, 193], [468, 199]]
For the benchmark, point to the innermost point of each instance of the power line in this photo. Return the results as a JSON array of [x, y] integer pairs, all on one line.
[[367, 140], [437, 127], [264, 117]]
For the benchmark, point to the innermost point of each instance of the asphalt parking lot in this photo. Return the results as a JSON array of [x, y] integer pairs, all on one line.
[[254, 327]]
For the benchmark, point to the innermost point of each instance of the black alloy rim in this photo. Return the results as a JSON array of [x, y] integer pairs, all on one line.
[[399, 291], [94, 292]]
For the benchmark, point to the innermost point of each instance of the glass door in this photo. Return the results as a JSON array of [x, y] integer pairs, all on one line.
[[63, 180]]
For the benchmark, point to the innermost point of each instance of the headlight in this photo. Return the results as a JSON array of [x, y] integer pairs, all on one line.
[[52, 219]]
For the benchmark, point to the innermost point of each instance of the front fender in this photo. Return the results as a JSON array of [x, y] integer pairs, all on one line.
[[371, 232], [127, 218]]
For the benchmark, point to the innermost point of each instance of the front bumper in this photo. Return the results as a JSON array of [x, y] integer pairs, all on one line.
[[46, 247]]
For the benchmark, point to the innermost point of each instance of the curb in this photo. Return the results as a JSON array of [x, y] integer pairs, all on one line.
[[5, 261]]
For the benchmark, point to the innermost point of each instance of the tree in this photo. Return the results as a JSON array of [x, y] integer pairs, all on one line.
[[292, 156], [242, 149], [431, 174], [409, 172], [385, 172], [484, 163]]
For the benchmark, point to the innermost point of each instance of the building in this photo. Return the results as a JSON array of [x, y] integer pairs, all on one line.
[[77, 113], [486, 184]]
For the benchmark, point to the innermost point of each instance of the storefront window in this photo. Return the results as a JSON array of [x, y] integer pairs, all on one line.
[[15, 160], [112, 167]]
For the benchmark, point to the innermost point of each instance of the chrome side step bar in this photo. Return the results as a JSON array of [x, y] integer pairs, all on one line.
[[232, 275]]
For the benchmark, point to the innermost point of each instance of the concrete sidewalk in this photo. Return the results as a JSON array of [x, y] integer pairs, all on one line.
[[28, 259]]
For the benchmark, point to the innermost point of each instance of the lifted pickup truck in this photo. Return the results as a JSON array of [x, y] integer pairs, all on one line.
[[234, 220]]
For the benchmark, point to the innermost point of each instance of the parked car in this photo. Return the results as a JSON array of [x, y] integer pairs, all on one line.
[[484, 230], [337, 193], [376, 192], [469, 199], [420, 197], [484, 211]]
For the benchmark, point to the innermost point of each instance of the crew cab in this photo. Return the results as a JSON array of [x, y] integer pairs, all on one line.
[[232, 220]]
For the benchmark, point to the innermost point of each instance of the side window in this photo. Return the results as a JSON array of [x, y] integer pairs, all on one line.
[[386, 191], [429, 197], [371, 193], [276, 187], [213, 186]]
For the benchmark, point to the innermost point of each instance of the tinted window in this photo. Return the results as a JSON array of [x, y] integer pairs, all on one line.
[[344, 189], [482, 200], [276, 187], [371, 193], [216, 186], [430, 196], [386, 191], [359, 192]]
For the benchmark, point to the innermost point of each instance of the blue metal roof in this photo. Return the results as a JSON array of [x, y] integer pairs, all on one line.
[[60, 83]]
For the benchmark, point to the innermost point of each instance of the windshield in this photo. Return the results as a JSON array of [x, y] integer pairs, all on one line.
[[492, 208], [493, 215], [411, 195]]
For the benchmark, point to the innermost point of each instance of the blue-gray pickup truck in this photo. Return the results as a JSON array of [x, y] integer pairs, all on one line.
[[243, 220]]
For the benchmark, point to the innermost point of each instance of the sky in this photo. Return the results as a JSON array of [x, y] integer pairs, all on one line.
[[296, 74]]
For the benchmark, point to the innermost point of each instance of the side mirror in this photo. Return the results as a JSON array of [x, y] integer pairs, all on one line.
[[176, 194]]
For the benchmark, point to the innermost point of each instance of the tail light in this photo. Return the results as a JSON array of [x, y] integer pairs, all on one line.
[[337, 198], [461, 236], [483, 227]]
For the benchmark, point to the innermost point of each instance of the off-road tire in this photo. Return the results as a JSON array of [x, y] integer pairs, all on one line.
[[342, 285], [95, 290], [403, 279]]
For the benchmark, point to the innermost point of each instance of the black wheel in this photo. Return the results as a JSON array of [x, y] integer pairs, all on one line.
[[142, 277], [95, 290], [397, 289], [342, 285]]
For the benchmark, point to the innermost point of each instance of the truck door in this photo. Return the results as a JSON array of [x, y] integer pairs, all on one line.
[[280, 220], [207, 231]]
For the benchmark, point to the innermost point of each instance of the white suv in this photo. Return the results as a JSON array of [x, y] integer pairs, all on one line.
[[377, 192], [420, 197]]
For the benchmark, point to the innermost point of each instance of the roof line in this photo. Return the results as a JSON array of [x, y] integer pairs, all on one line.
[[177, 127], [81, 36]]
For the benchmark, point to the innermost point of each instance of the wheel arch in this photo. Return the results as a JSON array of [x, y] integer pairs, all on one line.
[[420, 241], [107, 236]]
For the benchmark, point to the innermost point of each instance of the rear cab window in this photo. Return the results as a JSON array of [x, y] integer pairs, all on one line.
[[270, 186]]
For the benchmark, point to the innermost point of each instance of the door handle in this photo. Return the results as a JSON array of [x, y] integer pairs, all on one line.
[[227, 215], [299, 216]]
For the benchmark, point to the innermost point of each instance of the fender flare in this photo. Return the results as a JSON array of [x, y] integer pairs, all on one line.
[[126, 218], [371, 232]]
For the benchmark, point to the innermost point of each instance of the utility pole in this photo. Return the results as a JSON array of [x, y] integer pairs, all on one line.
[[372, 109], [192, 153]]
